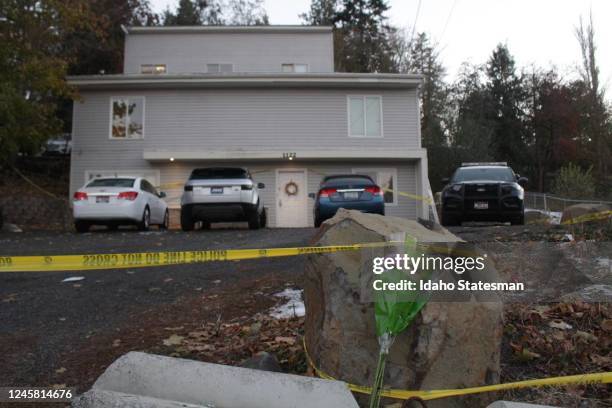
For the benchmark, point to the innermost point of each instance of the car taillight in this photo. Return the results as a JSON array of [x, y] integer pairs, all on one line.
[[374, 190], [80, 196], [326, 192], [127, 195]]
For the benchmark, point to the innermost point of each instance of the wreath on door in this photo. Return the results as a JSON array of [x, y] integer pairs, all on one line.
[[291, 188]]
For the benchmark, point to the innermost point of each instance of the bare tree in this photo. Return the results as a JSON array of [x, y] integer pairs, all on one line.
[[597, 137]]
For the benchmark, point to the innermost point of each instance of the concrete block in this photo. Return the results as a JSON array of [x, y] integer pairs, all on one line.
[[140, 379]]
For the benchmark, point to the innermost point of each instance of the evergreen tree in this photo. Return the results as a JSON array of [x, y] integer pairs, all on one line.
[[507, 96], [423, 58], [365, 37], [188, 13], [321, 13]]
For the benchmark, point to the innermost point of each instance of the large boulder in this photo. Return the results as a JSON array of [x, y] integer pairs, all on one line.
[[575, 213], [450, 344]]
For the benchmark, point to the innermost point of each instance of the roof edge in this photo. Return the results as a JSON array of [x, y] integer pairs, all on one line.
[[246, 79], [130, 30]]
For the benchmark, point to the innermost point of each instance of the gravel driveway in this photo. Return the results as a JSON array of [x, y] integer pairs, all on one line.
[[48, 326]]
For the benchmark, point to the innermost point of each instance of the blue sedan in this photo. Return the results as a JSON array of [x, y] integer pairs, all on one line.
[[352, 192]]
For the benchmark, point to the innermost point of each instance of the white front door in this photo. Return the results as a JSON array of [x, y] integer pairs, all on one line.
[[291, 199]]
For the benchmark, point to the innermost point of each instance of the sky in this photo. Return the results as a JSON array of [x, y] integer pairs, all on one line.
[[539, 32]]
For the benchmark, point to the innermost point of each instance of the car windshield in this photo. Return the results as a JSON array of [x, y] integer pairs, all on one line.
[[112, 182], [483, 173], [219, 173]]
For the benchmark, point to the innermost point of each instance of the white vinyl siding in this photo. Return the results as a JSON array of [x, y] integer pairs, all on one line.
[[365, 116], [151, 175], [127, 117], [249, 52], [386, 178]]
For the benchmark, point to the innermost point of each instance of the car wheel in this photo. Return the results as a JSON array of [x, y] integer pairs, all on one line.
[[81, 226], [449, 221], [166, 223], [520, 220], [187, 223], [318, 222], [254, 221], [145, 223], [263, 219]]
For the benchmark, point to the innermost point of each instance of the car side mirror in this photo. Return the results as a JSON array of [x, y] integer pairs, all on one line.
[[161, 194], [523, 181], [261, 185], [312, 195], [445, 180]]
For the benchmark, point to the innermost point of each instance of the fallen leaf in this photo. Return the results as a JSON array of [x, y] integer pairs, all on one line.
[[559, 324], [12, 297], [585, 336], [61, 370], [173, 340], [607, 325], [527, 354], [288, 340], [174, 328], [604, 361]]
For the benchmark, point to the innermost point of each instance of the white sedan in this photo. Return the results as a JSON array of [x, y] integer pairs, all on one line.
[[119, 201]]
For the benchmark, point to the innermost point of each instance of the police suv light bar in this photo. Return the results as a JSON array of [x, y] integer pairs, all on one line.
[[484, 164]]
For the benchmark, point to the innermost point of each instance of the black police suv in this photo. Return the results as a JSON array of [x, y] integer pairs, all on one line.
[[483, 192]]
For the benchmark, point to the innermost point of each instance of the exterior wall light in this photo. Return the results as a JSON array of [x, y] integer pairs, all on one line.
[[172, 159], [289, 155]]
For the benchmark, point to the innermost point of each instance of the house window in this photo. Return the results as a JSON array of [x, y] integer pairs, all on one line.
[[365, 116], [297, 68], [386, 179], [127, 118], [219, 68], [153, 69]]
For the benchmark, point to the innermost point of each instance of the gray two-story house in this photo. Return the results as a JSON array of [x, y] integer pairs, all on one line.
[[265, 98]]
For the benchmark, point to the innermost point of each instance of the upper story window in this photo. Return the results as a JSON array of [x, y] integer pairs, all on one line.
[[153, 69], [127, 117], [218, 68], [298, 68], [365, 116]]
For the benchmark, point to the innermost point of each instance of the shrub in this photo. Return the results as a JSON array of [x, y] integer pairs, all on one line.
[[574, 182]]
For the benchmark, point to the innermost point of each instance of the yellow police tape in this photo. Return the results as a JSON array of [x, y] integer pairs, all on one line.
[[588, 217], [596, 378], [54, 263]]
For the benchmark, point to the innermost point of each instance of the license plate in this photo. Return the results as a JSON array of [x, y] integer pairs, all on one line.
[[481, 205], [351, 195], [102, 199], [216, 190]]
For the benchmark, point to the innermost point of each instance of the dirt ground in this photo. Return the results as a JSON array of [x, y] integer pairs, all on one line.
[[55, 333]]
